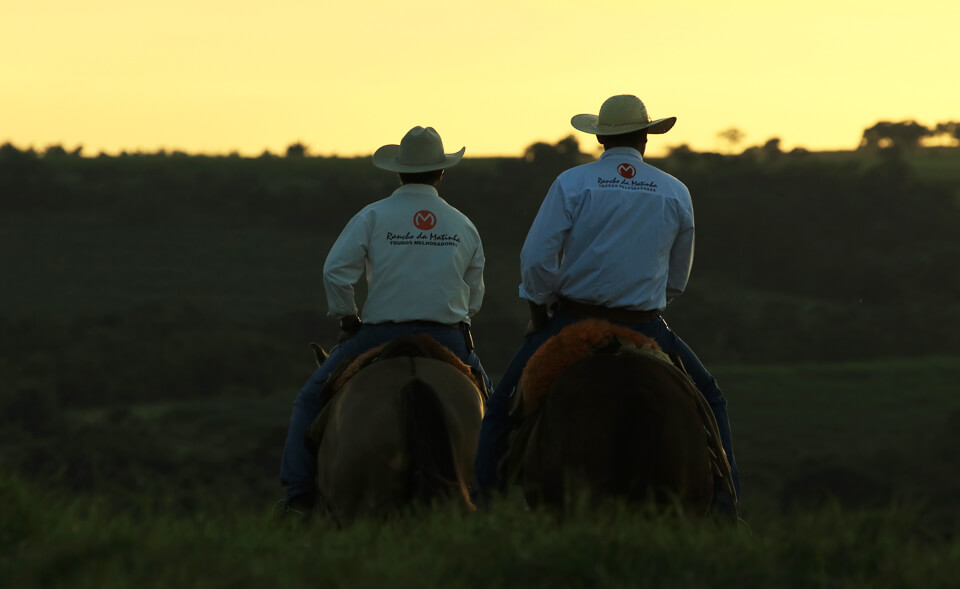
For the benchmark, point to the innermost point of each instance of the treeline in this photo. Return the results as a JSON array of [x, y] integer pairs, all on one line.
[[908, 134]]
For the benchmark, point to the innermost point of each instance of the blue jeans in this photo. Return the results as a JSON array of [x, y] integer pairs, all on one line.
[[298, 469], [496, 425]]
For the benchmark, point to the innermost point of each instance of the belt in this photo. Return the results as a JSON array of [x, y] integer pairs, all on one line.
[[420, 323], [463, 327], [615, 314]]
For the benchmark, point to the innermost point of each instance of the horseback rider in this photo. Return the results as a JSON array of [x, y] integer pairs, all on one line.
[[613, 239], [424, 266]]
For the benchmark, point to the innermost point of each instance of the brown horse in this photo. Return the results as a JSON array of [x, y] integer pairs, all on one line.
[[400, 429], [617, 419]]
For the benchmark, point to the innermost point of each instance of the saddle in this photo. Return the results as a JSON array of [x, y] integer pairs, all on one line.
[[409, 346], [584, 338]]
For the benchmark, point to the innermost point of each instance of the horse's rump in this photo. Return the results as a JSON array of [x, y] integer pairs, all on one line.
[[402, 429], [617, 421]]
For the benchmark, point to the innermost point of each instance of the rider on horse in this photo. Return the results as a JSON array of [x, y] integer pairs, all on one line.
[[424, 266], [613, 239]]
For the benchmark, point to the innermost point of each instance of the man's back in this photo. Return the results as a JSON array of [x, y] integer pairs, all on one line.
[[625, 230], [423, 259]]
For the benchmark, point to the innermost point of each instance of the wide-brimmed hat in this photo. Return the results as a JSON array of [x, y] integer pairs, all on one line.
[[420, 150], [621, 114]]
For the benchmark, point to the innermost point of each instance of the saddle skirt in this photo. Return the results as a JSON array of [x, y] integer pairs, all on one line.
[[590, 336], [418, 345]]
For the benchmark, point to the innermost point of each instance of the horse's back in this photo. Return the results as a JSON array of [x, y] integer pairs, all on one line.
[[621, 426]]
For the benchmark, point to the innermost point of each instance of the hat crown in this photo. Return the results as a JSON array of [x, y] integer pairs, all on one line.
[[420, 150], [624, 109], [421, 146], [621, 114]]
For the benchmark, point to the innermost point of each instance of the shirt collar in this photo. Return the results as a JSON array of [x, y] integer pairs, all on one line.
[[425, 189], [622, 151]]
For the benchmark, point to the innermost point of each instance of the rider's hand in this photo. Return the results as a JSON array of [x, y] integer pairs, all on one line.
[[538, 318], [349, 325]]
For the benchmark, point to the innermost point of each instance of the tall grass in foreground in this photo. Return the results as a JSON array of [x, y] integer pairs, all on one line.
[[51, 542]]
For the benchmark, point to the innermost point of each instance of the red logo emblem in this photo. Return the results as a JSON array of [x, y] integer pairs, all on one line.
[[627, 171], [424, 220]]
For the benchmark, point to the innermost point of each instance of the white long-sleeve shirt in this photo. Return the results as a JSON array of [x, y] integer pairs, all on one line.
[[423, 260], [615, 232]]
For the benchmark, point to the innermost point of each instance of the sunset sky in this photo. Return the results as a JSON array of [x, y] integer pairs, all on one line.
[[344, 78]]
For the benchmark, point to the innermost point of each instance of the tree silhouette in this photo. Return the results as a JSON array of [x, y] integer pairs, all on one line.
[[905, 135], [566, 153], [682, 154], [732, 136], [772, 147], [9, 152], [297, 149], [950, 129], [53, 151]]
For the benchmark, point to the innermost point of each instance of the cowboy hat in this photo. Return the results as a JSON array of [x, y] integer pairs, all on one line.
[[621, 114], [420, 150]]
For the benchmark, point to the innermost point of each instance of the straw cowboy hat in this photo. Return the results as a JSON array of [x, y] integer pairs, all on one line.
[[420, 150], [621, 114]]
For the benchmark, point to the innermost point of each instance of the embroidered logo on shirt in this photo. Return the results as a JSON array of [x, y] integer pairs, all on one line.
[[627, 171], [626, 181], [422, 238], [424, 220]]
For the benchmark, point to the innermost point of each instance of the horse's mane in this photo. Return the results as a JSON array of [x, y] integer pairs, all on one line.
[[575, 341]]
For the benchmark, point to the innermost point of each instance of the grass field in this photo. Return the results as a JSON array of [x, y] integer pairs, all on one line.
[[862, 427], [49, 542]]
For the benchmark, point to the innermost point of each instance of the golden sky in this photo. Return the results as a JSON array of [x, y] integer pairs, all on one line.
[[345, 77]]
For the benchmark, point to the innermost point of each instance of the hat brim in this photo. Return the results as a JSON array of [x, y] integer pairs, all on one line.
[[591, 124], [385, 158]]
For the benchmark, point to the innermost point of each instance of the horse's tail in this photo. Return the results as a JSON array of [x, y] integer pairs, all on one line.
[[432, 470]]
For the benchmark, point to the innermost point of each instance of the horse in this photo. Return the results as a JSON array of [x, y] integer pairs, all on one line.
[[400, 429], [602, 411]]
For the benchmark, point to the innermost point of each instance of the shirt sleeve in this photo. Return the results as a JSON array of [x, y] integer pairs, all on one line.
[[344, 267], [681, 256], [540, 255], [474, 279]]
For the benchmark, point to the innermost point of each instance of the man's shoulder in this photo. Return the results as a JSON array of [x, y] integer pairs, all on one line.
[[373, 207], [578, 176], [580, 170], [452, 210], [444, 209], [467, 222], [667, 180]]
